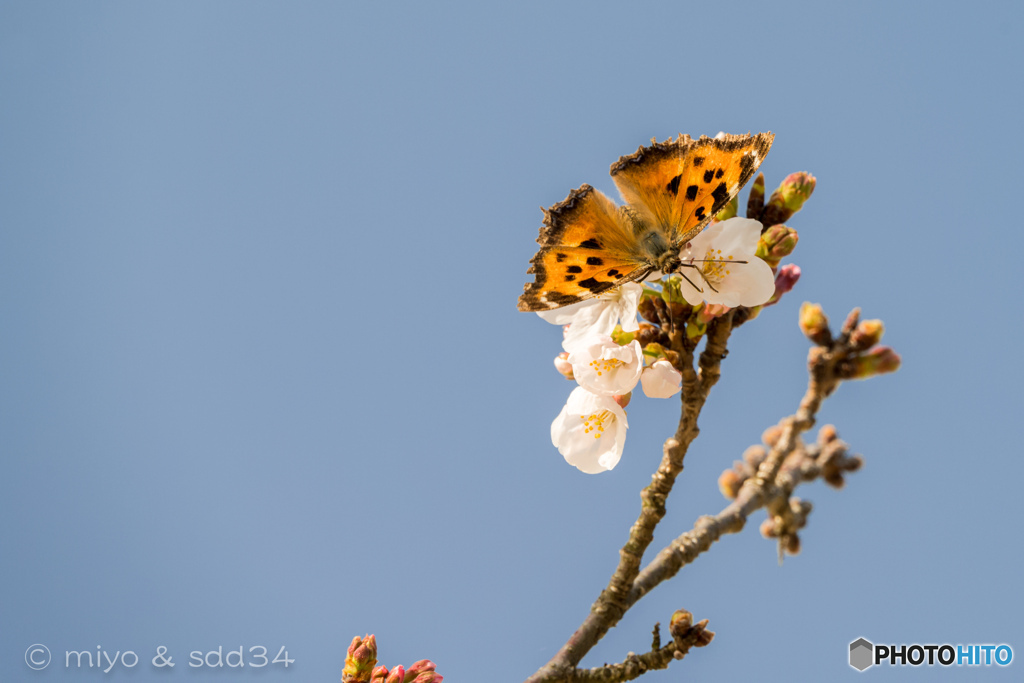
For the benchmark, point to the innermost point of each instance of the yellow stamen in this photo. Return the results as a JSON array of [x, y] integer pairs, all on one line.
[[596, 422]]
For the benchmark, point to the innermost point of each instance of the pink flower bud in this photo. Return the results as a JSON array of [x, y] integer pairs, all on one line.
[[380, 675], [422, 666], [397, 675], [786, 278], [360, 660], [563, 365]]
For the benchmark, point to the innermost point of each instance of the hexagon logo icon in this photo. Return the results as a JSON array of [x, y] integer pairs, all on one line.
[[861, 654]]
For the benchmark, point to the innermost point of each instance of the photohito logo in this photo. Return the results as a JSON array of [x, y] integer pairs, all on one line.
[[863, 654]]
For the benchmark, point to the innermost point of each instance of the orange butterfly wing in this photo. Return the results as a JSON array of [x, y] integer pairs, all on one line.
[[681, 184], [586, 248]]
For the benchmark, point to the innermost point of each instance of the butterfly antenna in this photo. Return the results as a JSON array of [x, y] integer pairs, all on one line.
[[692, 283]]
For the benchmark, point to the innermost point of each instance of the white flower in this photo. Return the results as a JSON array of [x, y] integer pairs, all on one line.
[[590, 431], [715, 275], [603, 367], [661, 380], [599, 315]]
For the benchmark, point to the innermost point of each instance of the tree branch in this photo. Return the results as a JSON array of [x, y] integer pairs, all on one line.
[[614, 600]]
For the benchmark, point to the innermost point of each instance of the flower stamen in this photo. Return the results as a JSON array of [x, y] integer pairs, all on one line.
[[603, 365], [595, 422]]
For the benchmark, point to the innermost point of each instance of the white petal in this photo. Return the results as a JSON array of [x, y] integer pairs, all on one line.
[[661, 380], [738, 235], [753, 282], [582, 449], [629, 294], [603, 367], [565, 314]]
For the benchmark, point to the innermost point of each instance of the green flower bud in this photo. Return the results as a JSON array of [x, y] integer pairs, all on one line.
[[877, 361], [866, 334], [681, 622], [776, 243], [360, 660], [788, 198], [814, 324]]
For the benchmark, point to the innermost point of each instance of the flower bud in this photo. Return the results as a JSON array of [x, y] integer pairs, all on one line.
[[814, 324], [729, 211], [785, 279], [670, 291], [380, 675], [776, 243], [827, 434], [623, 399], [877, 361], [648, 309], [792, 544], [755, 202], [622, 338], [706, 312], [397, 675], [768, 529], [563, 365], [770, 436], [788, 198], [681, 622], [866, 334], [705, 636], [420, 667], [755, 455], [360, 660], [729, 484], [661, 380]]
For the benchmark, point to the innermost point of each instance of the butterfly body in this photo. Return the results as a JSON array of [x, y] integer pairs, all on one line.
[[672, 191]]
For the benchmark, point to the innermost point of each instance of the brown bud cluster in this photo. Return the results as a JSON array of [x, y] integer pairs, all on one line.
[[785, 523], [682, 629]]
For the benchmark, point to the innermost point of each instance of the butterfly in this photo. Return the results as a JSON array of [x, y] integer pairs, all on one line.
[[671, 190]]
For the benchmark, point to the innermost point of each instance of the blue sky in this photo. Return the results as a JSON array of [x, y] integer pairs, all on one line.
[[264, 382]]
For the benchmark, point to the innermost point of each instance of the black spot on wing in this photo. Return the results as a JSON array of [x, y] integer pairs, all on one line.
[[574, 269], [721, 195], [590, 244], [560, 257], [691, 192], [594, 261], [709, 175], [595, 286], [570, 278], [673, 185], [558, 299], [614, 273], [699, 213], [697, 161], [719, 173]]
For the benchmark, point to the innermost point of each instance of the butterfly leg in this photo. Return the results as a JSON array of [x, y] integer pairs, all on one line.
[[692, 283]]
